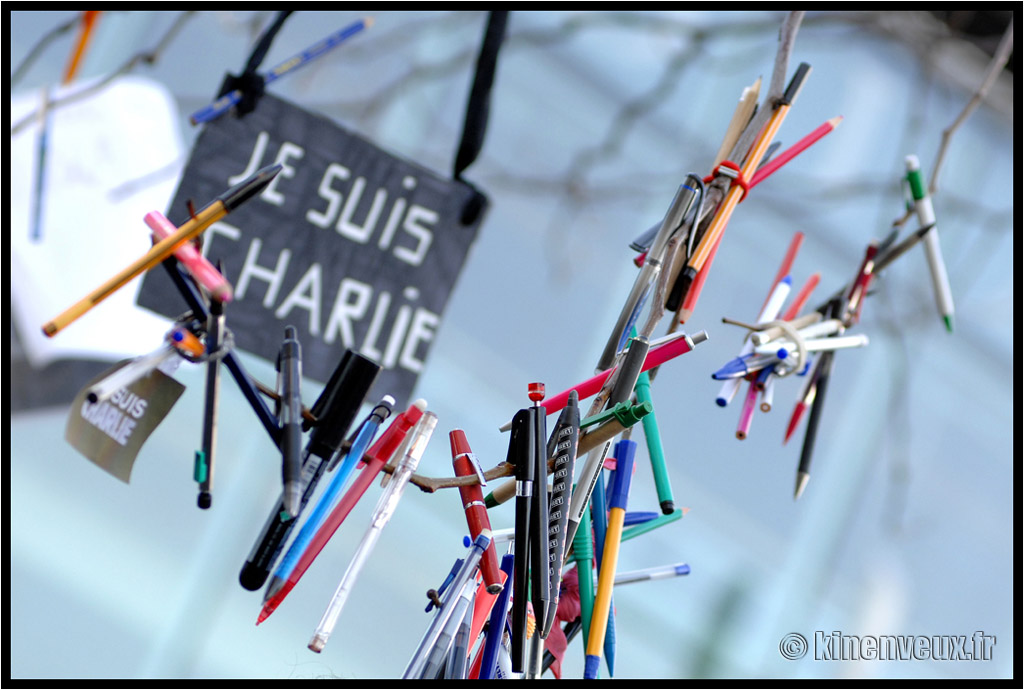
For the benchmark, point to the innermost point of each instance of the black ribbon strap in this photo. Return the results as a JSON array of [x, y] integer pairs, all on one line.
[[478, 108], [249, 82]]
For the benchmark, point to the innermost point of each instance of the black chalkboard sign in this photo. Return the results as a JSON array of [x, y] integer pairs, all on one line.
[[355, 247]]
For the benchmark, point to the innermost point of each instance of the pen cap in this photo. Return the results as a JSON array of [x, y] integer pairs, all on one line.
[[343, 402], [519, 443], [329, 390], [625, 451]]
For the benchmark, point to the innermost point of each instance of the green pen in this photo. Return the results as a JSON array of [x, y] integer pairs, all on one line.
[[654, 447]]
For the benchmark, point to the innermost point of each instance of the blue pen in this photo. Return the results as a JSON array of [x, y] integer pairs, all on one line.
[[447, 581], [496, 624], [639, 517], [359, 445], [225, 102], [739, 367]]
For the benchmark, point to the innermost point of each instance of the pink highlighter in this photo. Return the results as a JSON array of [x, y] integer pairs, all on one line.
[[197, 264]]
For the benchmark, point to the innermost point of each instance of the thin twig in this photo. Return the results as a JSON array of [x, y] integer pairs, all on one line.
[[995, 67], [149, 57], [38, 48]]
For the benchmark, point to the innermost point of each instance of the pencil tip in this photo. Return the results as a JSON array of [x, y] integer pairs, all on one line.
[[948, 320], [801, 482]]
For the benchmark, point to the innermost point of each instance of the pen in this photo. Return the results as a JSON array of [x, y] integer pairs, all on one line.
[[660, 352], [562, 446], [203, 471], [769, 310], [804, 401], [738, 367], [419, 436], [473, 503], [660, 572], [496, 623], [747, 412], [859, 289], [362, 439], [768, 392], [519, 449], [376, 457], [129, 373], [418, 662], [222, 104], [198, 265], [622, 388], [933, 251], [217, 209], [654, 447], [803, 473], [289, 367], [200, 312], [619, 494], [680, 207], [459, 657], [540, 581], [353, 384], [712, 235], [445, 642], [814, 344]]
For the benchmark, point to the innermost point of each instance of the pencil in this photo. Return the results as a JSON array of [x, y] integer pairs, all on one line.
[[740, 118], [211, 213], [713, 234], [88, 24], [793, 151]]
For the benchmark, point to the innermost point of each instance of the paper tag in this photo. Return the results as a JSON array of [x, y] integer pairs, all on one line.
[[111, 432]]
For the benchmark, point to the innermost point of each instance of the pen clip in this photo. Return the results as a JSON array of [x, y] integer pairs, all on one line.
[[434, 595], [477, 469]]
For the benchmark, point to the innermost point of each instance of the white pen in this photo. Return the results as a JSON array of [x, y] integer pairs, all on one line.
[[770, 311], [814, 344], [926, 216], [420, 436]]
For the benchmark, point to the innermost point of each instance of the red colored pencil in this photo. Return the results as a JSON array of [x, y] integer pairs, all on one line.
[[793, 151]]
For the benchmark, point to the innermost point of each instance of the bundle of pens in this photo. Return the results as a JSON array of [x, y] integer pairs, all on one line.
[[783, 343]]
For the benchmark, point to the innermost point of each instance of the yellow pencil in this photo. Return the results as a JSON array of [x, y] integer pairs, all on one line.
[[220, 207]]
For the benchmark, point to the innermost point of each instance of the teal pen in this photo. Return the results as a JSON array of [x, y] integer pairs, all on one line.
[[926, 217], [652, 434]]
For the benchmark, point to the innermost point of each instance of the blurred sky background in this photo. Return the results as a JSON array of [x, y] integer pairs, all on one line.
[[908, 524]]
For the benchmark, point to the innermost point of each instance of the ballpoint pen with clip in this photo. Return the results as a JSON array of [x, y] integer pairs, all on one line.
[[385, 508], [289, 377], [343, 400], [390, 443]]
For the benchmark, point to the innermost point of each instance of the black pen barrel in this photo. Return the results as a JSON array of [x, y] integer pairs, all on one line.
[[352, 386]]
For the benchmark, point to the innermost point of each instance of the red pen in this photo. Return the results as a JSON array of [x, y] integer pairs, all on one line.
[[376, 457], [476, 512], [667, 349], [855, 300]]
